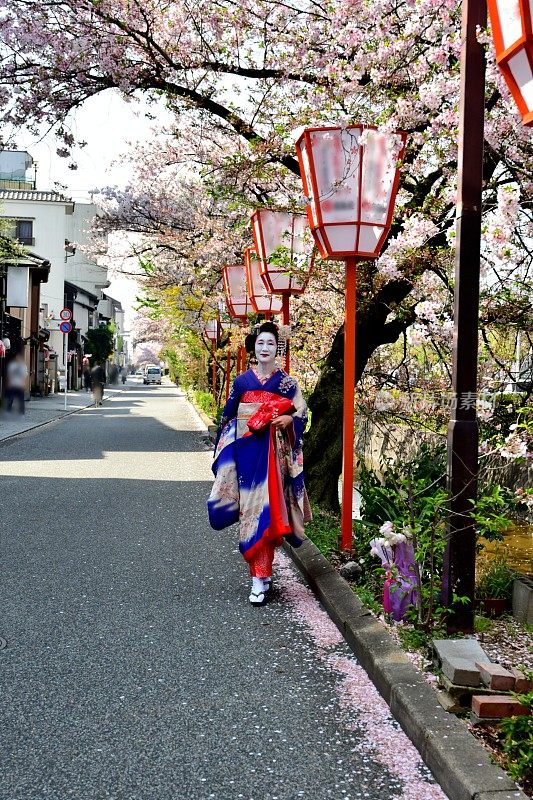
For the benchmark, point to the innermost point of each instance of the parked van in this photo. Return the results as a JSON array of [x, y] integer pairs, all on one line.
[[152, 375]]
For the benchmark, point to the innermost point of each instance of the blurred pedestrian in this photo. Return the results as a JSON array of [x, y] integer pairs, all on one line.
[[87, 379], [17, 373], [113, 374], [98, 383]]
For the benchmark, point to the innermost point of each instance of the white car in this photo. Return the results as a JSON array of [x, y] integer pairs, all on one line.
[[152, 375]]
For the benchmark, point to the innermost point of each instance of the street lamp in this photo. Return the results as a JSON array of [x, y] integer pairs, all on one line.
[[285, 247], [261, 299], [512, 32], [350, 176], [237, 302]]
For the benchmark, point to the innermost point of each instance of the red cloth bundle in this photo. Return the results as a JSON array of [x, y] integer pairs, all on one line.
[[268, 411]]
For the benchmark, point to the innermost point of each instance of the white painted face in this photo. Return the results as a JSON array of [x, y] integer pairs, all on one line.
[[266, 349]]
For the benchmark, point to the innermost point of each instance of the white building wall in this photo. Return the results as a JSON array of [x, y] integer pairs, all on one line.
[[54, 222], [81, 316], [80, 269], [49, 227]]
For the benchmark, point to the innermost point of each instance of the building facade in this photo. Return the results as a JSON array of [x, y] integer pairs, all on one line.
[[50, 223]]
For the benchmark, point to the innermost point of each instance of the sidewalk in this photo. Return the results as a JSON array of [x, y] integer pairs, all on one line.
[[457, 760], [41, 410]]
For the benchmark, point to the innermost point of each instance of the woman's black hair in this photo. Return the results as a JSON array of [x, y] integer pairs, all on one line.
[[265, 327]]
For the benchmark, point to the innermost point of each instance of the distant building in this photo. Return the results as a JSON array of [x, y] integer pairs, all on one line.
[[50, 223]]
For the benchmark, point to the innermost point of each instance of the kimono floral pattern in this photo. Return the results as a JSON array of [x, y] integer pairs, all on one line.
[[243, 461]]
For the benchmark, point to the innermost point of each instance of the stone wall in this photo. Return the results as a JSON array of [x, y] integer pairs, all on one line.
[[379, 443]]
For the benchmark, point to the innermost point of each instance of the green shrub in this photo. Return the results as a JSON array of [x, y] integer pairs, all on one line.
[[412, 495], [324, 531], [205, 401], [518, 739], [367, 597], [497, 581]]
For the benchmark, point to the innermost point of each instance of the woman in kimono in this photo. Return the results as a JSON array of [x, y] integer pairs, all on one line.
[[258, 464]]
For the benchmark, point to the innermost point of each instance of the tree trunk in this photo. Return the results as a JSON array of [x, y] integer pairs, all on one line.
[[323, 442]]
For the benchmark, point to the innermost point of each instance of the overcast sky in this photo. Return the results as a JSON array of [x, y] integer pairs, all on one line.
[[108, 124]]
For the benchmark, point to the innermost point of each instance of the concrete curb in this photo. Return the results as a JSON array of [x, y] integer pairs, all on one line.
[[205, 420], [458, 762]]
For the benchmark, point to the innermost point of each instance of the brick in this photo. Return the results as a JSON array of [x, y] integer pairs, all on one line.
[[497, 706], [496, 677], [460, 671], [457, 658], [521, 682]]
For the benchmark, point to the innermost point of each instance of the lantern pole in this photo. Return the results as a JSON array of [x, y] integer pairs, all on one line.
[[286, 321], [348, 405], [460, 554], [228, 371], [213, 374]]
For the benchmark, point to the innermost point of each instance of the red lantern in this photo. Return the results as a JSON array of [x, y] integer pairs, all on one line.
[[512, 32], [351, 178], [284, 244], [237, 300], [263, 301], [211, 331]]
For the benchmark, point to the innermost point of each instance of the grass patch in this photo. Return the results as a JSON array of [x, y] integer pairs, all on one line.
[[324, 531], [483, 624], [366, 596], [205, 401], [413, 639]]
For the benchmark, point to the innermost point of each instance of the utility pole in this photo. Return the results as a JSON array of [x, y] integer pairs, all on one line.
[[460, 555]]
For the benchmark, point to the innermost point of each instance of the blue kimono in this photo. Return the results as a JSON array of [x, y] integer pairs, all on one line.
[[259, 480]]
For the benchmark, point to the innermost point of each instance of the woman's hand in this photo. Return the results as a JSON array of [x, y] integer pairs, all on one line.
[[282, 422]]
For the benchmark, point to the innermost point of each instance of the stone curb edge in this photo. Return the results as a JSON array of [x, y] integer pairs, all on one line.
[[206, 421], [458, 762]]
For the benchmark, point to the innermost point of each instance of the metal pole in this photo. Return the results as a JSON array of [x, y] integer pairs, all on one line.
[[349, 399], [460, 554], [228, 371], [286, 321], [214, 375], [65, 344]]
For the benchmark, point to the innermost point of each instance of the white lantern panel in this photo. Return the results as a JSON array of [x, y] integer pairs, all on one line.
[[369, 237], [211, 330], [521, 71], [307, 172], [18, 282], [336, 158], [262, 300], [235, 286], [380, 155], [510, 21], [285, 248], [341, 238], [317, 233]]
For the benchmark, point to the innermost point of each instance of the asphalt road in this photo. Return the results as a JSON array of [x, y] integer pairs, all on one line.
[[135, 669]]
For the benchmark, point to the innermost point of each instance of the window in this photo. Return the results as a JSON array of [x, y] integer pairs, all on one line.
[[24, 231]]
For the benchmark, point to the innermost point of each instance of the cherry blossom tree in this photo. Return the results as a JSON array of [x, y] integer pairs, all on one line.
[[239, 78]]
